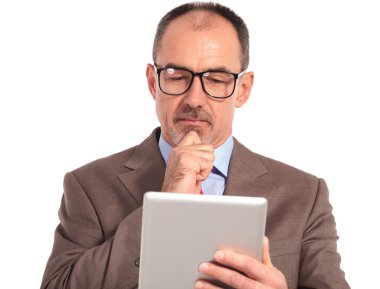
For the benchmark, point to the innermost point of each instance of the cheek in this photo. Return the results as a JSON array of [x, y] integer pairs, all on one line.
[[224, 113], [165, 109]]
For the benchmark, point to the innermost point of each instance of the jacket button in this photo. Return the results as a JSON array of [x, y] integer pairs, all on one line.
[[137, 262]]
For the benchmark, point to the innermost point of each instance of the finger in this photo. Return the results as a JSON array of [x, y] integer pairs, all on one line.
[[191, 138], [198, 147], [227, 276], [194, 160], [189, 154], [266, 255], [198, 187], [197, 166], [201, 284], [248, 265], [204, 173]]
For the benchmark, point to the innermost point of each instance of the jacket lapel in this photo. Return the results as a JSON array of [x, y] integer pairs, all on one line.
[[244, 171], [146, 168]]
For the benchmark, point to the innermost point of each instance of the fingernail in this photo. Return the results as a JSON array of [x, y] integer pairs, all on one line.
[[219, 256], [203, 268], [199, 285]]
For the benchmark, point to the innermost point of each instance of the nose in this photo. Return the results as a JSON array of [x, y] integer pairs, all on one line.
[[195, 96]]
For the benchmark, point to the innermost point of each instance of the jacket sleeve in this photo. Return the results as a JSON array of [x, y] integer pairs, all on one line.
[[81, 256], [320, 262]]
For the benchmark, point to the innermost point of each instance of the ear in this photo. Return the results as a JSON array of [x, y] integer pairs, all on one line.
[[245, 89], [151, 79]]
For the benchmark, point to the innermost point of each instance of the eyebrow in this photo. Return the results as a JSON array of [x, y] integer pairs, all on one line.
[[176, 66]]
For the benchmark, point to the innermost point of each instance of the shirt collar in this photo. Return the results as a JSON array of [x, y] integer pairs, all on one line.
[[222, 153]]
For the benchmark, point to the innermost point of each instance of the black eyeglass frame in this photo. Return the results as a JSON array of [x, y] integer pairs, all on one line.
[[200, 75]]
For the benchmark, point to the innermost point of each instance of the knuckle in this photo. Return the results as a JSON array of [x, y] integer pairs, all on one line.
[[236, 279], [211, 269]]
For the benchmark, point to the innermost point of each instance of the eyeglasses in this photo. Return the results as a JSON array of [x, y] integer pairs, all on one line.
[[215, 83]]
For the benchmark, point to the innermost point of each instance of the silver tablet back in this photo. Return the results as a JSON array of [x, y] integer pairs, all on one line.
[[180, 231]]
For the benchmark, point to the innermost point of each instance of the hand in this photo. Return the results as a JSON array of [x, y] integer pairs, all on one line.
[[190, 163], [255, 274]]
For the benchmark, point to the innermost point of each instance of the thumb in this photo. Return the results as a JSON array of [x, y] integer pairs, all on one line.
[[191, 138], [266, 255]]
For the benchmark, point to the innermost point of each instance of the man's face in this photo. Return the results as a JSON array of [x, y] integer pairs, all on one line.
[[209, 47]]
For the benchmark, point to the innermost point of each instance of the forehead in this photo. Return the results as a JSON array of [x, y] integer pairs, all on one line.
[[200, 40]]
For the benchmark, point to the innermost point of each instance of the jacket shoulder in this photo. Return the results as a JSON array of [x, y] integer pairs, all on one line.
[[277, 171], [116, 163], [109, 165]]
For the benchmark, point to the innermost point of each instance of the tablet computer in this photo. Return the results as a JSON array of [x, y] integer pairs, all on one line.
[[180, 231]]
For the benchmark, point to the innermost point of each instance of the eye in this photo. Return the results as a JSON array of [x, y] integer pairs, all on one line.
[[175, 75], [217, 81], [216, 78], [178, 78]]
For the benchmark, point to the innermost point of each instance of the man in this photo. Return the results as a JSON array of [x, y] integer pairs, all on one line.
[[197, 80]]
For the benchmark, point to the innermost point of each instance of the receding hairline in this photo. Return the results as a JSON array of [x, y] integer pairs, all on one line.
[[202, 19], [199, 20]]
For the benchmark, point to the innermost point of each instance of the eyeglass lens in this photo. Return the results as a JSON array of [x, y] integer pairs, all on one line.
[[178, 81]]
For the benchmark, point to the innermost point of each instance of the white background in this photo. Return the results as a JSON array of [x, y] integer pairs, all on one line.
[[72, 89]]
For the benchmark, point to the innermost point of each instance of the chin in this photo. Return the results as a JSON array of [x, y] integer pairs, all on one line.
[[178, 134]]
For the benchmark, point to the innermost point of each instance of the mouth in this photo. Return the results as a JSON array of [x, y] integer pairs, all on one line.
[[193, 121]]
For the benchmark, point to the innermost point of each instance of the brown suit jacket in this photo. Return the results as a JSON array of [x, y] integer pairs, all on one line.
[[97, 242]]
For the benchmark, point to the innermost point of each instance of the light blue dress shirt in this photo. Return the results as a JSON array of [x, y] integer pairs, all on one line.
[[216, 181]]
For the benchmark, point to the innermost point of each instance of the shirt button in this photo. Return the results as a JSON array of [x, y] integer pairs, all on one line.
[[137, 262]]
